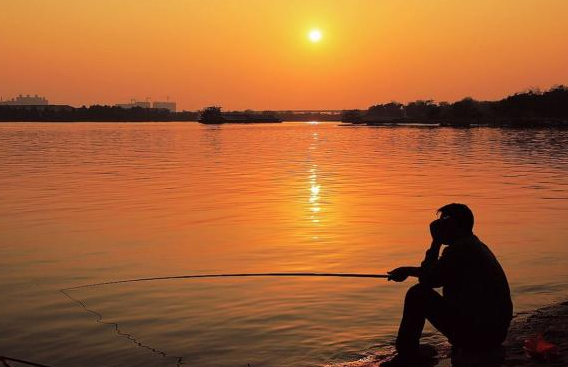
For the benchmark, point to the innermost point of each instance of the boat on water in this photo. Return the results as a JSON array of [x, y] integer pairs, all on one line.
[[214, 116]]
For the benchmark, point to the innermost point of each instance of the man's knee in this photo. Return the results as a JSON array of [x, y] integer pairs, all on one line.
[[418, 292]]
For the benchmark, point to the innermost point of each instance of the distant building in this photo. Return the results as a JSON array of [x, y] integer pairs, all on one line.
[[25, 101], [170, 106], [134, 104]]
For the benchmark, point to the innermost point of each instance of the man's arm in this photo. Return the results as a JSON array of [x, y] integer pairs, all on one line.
[[402, 273], [432, 254], [431, 269], [428, 272]]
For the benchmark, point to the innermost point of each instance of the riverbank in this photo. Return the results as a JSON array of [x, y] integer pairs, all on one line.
[[552, 322]]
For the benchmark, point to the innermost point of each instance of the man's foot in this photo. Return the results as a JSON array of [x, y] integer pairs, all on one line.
[[427, 351], [489, 357], [398, 361], [421, 359]]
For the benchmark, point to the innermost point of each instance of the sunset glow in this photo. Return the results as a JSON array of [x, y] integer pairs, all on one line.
[[262, 55]]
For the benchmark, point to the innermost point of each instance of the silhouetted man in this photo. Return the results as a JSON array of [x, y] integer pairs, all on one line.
[[475, 310]]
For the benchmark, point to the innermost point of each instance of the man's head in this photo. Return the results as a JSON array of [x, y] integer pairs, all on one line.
[[457, 221]]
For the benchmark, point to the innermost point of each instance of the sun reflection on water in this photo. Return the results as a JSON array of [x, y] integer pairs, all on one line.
[[315, 188]]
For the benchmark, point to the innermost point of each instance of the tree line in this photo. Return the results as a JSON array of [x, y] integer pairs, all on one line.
[[56, 113], [532, 106]]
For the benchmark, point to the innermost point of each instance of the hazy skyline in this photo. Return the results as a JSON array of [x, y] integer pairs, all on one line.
[[258, 54]]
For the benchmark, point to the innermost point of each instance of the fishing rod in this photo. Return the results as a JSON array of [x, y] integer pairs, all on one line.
[[235, 275]]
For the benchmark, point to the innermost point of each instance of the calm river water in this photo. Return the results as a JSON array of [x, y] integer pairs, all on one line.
[[91, 202]]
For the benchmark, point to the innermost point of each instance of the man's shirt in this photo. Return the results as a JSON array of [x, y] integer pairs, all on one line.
[[473, 282]]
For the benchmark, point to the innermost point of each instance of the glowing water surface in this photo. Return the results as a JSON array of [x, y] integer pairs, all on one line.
[[90, 202]]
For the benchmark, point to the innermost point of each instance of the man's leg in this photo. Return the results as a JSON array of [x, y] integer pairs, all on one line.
[[422, 303]]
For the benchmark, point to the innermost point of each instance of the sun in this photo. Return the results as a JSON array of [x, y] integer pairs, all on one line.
[[315, 35]]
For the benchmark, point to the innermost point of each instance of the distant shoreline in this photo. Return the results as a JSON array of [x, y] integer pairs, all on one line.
[[460, 123], [536, 124], [531, 108]]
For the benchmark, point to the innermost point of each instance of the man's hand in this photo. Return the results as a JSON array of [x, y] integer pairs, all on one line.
[[400, 274], [437, 231]]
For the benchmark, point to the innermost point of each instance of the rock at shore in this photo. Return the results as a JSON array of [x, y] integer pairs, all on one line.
[[552, 322]]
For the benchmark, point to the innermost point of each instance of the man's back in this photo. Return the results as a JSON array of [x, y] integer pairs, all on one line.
[[474, 282]]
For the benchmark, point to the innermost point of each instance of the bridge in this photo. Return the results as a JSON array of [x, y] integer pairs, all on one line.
[[300, 112]]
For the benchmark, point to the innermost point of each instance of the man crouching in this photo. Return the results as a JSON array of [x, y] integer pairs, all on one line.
[[475, 309]]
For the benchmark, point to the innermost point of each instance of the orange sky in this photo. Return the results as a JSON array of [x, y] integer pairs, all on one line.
[[256, 53]]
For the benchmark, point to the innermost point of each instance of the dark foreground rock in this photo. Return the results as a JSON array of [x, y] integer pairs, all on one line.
[[552, 322]]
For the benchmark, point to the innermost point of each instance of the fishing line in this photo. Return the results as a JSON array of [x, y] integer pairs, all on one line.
[[5, 361], [121, 333], [200, 276]]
